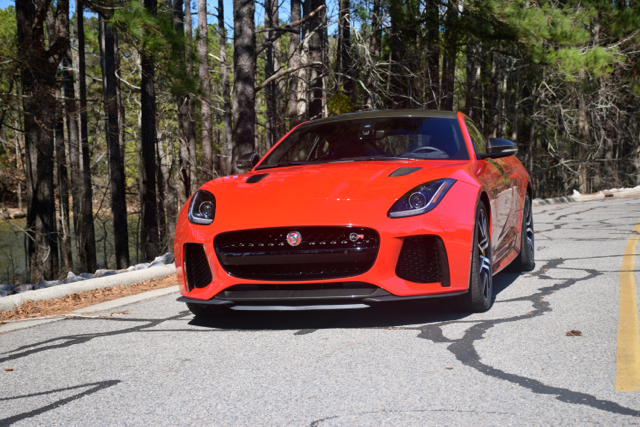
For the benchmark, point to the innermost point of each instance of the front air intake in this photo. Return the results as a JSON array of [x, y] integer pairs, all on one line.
[[423, 259], [196, 266]]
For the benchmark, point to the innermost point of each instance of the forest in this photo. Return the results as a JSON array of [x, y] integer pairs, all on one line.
[[113, 112]]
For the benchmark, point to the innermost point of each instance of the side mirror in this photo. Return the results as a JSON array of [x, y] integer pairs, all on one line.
[[499, 147], [247, 161]]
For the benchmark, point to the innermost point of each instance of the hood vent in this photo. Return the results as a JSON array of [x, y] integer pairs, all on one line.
[[256, 178], [404, 171]]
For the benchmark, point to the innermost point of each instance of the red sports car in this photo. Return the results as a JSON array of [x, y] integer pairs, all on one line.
[[355, 210]]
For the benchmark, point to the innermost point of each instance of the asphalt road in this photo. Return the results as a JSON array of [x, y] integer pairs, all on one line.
[[402, 364]]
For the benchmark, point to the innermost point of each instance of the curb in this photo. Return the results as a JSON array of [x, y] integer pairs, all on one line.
[[587, 198], [59, 291], [103, 306]]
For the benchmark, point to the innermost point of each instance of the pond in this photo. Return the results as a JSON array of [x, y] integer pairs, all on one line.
[[13, 245]]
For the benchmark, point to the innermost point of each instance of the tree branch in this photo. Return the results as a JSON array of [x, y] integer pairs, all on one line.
[[286, 28], [283, 72]]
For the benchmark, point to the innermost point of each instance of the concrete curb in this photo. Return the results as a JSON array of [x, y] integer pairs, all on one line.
[[59, 291], [587, 197], [103, 306]]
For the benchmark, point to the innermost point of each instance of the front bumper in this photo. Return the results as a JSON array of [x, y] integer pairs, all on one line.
[[451, 220]]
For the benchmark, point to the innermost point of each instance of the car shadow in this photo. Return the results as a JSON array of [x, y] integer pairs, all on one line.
[[386, 315]]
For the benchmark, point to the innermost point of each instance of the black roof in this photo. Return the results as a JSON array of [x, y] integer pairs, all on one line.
[[387, 113]]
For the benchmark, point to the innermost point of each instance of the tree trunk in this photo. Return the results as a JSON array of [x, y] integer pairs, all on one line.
[[161, 203], [208, 172], [294, 62], [38, 75], [85, 231], [226, 92], [150, 245], [270, 61], [433, 55], [64, 232], [449, 58], [116, 173], [344, 61], [186, 122], [166, 165], [374, 51], [316, 43], [74, 156], [397, 89], [473, 77], [244, 92]]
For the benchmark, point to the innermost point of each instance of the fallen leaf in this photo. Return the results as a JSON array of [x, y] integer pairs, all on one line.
[[529, 313], [574, 333], [448, 367], [551, 292], [8, 369]]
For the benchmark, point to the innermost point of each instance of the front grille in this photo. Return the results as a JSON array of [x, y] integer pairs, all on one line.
[[301, 292], [323, 253], [198, 272], [423, 259]]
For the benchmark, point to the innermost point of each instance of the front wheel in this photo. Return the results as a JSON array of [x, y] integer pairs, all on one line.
[[479, 297], [526, 259]]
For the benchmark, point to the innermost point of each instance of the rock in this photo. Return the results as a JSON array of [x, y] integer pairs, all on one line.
[[39, 286], [87, 275], [141, 266], [23, 288], [104, 273], [3, 293], [165, 259], [74, 279], [6, 288], [48, 284]]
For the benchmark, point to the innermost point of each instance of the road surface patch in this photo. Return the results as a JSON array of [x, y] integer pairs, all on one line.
[[628, 351]]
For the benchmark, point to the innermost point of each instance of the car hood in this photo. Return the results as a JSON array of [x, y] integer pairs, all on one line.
[[330, 181]]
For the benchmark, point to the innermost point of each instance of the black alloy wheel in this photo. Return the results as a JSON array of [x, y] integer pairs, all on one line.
[[479, 297], [526, 260]]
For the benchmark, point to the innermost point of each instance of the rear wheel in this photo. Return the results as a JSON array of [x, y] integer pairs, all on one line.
[[207, 310], [526, 260], [480, 294]]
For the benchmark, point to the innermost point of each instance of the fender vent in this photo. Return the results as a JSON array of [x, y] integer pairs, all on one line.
[[256, 178], [198, 272], [404, 171]]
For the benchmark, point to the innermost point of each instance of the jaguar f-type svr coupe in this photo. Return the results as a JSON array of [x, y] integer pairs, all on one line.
[[355, 210]]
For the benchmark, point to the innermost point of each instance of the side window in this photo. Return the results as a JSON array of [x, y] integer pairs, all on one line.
[[478, 140]]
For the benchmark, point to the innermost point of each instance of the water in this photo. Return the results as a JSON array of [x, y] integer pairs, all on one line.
[[12, 247]]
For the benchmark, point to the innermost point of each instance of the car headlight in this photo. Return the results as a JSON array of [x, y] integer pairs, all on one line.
[[421, 199], [202, 209]]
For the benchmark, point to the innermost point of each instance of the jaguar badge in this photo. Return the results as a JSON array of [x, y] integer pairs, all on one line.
[[294, 238]]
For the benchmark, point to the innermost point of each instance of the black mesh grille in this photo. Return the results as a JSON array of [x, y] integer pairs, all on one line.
[[423, 259], [197, 268], [323, 252]]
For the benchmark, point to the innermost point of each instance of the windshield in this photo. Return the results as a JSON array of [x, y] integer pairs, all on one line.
[[370, 139]]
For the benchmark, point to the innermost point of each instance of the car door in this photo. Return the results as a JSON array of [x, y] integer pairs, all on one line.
[[495, 177]]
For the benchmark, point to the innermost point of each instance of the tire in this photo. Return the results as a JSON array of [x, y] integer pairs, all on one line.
[[480, 295], [526, 259], [207, 310]]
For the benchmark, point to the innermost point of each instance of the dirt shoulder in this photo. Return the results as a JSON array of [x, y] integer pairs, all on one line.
[[70, 303]]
